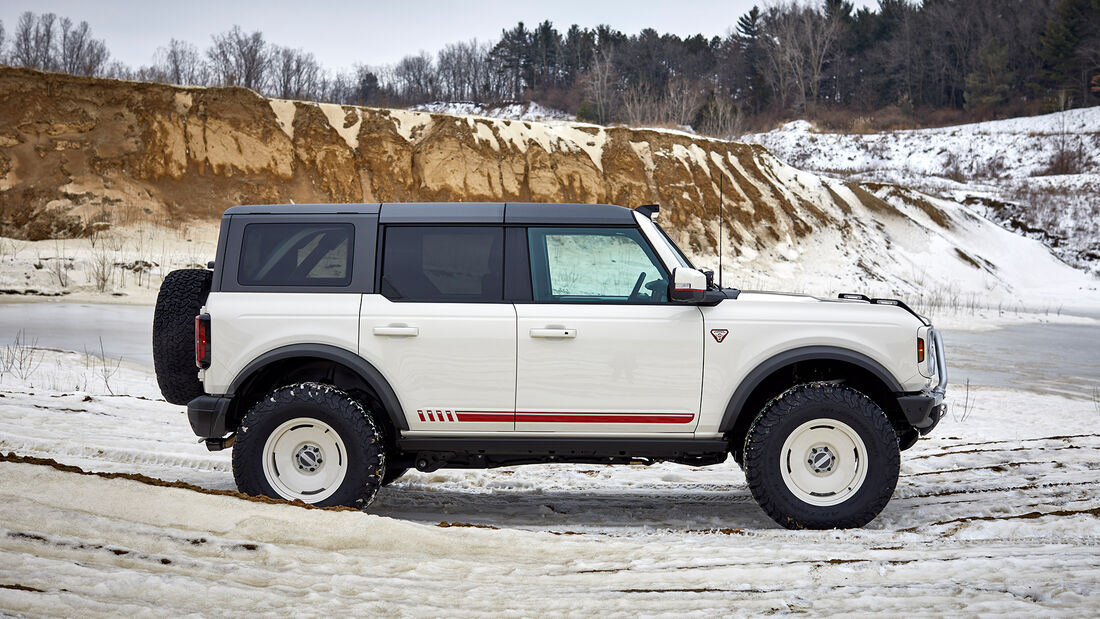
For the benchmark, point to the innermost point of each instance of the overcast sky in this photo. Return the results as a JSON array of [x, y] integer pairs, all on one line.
[[368, 32]]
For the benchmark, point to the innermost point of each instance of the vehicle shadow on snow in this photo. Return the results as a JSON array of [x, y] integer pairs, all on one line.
[[577, 510]]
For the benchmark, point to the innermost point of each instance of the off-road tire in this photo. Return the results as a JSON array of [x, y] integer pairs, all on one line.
[[366, 460], [393, 474], [181, 296], [786, 413]]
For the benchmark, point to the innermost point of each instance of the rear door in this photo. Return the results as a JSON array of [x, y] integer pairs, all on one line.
[[600, 348], [440, 330]]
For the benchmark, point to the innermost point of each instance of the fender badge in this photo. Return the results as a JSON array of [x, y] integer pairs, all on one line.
[[719, 334]]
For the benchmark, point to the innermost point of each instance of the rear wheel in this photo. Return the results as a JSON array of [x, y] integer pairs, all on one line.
[[309, 442], [821, 456]]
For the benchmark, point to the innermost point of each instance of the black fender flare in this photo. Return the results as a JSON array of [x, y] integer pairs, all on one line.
[[352, 361], [787, 357]]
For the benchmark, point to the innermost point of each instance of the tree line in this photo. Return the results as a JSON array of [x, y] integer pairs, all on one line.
[[790, 59]]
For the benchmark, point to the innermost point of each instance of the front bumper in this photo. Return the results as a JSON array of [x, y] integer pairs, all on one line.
[[925, 409], [208, 415]]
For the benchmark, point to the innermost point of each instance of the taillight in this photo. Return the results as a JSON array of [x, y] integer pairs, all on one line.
[[202, 341], [920, 350]]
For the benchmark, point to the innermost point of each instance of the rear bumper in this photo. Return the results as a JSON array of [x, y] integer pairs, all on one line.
[[923, 410], [208, 415]]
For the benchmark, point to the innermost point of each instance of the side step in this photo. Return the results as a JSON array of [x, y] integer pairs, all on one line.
[[429, 454]]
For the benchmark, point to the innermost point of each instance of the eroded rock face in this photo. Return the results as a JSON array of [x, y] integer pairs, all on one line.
[[73, 150]]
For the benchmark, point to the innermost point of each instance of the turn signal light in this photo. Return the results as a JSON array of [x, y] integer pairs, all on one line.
[[920, 350]]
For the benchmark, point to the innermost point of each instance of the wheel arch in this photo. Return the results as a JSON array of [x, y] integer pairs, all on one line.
[[786, 369], [301, 362]]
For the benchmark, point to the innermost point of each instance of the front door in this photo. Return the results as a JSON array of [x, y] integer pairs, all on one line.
[[600, 348]]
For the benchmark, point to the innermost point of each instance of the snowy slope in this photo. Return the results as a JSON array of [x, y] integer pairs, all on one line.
[[1000, 168], [996, 512]]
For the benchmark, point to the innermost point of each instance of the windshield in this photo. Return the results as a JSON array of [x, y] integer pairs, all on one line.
[[684, 262]]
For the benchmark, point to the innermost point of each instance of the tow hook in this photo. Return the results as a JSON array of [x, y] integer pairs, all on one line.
[[218, 444], [428, 462]]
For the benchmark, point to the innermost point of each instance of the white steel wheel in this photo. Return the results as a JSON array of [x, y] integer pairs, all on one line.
[[823, 462], [305, 459]]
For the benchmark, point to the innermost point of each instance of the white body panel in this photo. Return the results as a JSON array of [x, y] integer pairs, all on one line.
[[245, 325], [763, 325], [452, 365], [608, 369]]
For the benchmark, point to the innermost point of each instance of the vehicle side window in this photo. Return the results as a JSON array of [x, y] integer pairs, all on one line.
[[444, 264], [298, 254], [595, 265]]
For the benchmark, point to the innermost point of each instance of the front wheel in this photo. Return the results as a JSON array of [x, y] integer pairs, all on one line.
[[820, 457], [309, 442]]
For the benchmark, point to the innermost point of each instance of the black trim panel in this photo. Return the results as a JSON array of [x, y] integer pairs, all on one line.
[[808, 353], [567, 214], [442, 213], [365, 370], [305, 209], [517, 266], [567, 447]]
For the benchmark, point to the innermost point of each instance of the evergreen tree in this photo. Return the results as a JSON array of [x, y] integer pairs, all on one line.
[[750, 28], [991, 83], [1068, 44]]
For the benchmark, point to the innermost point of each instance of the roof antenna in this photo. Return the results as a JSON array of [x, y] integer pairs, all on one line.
[[721, 225]]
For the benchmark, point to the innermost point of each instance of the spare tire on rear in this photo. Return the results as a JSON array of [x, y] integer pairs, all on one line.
[[181, 296]]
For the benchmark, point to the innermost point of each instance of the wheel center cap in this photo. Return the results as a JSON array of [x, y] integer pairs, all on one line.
[[308, 457], [821, 459]]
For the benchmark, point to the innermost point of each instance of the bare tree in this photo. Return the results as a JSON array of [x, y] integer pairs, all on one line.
[[239, 59], [683, 98], [797, 41], [181, 63], [3, 57], [80, 53], [640, 107], [600, 84], [463, 70], [34, 44], [723, 118], [416, 78], [295, 74]]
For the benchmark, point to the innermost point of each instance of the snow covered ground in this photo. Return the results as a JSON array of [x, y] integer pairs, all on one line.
[[1002, 168], [529, 111], [118, 265], [998, 511]]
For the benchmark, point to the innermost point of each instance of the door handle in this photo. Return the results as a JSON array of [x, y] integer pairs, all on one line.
[[397, 331], [554, 333]]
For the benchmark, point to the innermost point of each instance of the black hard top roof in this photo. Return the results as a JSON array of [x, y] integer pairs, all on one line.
[[457, 212]]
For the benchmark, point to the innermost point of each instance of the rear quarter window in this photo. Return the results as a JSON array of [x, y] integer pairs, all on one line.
[[297, 254]]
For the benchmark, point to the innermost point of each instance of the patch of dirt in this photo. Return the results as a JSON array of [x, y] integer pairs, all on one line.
[[12, 457], [447, 525]]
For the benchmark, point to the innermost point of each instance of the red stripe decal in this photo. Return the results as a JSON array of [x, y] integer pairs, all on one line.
[[499, 416], [421, 415], [604, 417]]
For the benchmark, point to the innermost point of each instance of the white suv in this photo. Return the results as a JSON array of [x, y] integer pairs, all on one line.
[[340, 345]]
